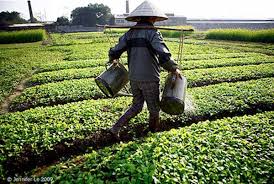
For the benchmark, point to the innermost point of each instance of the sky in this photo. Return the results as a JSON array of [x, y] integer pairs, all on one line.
[[49, 10]]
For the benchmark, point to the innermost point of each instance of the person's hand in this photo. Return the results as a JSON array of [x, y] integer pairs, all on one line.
[[115, 62], [177, 73]]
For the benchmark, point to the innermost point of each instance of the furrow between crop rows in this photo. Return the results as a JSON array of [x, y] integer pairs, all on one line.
[[47, 134]]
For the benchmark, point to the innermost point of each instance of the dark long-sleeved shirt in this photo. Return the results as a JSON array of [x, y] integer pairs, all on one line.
[[146, 52]]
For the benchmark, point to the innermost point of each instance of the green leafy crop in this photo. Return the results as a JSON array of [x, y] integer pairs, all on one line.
[[57, 93], [60, 75], [231, 150], [42, 128]]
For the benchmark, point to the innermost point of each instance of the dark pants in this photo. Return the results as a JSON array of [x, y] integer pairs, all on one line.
[[142, 91], [145, 91]]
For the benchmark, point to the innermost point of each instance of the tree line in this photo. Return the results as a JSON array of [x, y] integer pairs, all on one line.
[[87, 16], [14, 17]]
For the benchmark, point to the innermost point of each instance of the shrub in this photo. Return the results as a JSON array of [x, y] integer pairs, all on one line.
[[24, 36], [266, 36]]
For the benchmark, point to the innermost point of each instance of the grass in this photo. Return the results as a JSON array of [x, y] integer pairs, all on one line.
[[24, 36], [266, 36]]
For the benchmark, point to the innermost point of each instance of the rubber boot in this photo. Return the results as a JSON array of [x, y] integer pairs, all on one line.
[[154, 123], [123, 120]]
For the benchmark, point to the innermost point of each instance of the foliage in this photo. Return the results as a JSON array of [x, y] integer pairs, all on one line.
[[174, 34], [233, 98], [189, 57], [24, 36], [62, 21], [42, 128], [60, 75], [254, 47], [195, 77], [57, 93], [202, 77], [214, 63], [83, 89], [235, 149], [84, 51], [189, 61], [18, 63], [13, 17], [89, 45], [78, 38], [228, 150], [198, 48], [91, 15], [165, 33], [266, 36], [71, 64]]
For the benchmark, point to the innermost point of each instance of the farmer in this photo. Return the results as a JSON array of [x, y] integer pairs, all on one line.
[[146, 53]]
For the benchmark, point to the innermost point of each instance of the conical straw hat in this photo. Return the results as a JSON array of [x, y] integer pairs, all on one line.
[[146, 9]]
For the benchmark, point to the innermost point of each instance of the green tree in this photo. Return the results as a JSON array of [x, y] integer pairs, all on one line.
[[14, 17], [62, 21], [91, 15]]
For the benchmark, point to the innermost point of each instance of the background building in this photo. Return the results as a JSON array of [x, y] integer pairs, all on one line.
[[173, 20]]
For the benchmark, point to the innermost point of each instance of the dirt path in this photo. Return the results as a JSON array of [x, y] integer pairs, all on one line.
[[16, 92]]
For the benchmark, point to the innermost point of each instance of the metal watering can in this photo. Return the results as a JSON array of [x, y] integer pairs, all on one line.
[[173, 96], [113, 79]]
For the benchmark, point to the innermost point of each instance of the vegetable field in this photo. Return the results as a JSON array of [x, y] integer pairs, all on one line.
[[54, 121]]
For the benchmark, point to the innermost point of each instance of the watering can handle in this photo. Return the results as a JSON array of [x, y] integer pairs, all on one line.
[[173, 81], [115, 63], [175, 76]]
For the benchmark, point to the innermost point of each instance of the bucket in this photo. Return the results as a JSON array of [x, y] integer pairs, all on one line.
[[113, 79], [173, 97]]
